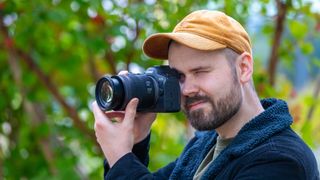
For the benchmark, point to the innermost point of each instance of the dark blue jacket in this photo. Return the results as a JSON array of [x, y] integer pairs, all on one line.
[[265, 148]]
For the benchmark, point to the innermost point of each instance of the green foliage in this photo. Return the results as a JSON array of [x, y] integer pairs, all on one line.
[[168, 139], [298, 29], [74, 42]]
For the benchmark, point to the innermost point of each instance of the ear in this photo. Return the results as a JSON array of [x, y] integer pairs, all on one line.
[[245, 65]]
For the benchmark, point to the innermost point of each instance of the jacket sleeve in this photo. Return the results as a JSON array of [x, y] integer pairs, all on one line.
[[134, 165]]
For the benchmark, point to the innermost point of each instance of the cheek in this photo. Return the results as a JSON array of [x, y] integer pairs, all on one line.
[[215, 87]]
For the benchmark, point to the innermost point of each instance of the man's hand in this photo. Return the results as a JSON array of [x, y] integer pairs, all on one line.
[[118, 131]]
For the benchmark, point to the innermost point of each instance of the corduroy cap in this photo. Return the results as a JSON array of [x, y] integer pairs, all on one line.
[[202, 30]]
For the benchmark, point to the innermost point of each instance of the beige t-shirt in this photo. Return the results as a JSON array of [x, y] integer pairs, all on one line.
[[211, 156]]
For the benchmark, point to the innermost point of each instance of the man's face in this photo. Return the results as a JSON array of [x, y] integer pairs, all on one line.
[[211, 92]]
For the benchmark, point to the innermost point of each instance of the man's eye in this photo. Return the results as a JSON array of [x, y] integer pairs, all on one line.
[[181, 78], [200, 72]]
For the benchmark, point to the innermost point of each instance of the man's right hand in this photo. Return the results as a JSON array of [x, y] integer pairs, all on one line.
[[142, 122], [118, 131]]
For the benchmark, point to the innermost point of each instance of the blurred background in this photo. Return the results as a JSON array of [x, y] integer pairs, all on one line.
[[53, 51]]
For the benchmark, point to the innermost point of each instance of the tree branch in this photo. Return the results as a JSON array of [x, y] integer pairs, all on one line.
[[273, 60], [35, 115], [132, 52], [315, 96], [93, 69], [46, 81], [111, 61]]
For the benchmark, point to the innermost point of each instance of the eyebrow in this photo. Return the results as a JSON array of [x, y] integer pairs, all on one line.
[[193, 69], [198, 68]]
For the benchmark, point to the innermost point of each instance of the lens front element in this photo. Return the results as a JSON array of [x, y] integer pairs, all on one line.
[[106, 92], [109, 93]]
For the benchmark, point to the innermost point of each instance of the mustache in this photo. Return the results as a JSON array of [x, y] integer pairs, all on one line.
[[190, 100]]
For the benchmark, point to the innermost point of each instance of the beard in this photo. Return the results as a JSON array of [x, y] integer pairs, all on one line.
[[220, 112]]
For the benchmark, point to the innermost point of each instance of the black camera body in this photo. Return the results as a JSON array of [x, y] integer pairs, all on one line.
[[158, 90]]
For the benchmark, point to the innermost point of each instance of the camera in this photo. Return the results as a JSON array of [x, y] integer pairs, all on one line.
[[157, 89]]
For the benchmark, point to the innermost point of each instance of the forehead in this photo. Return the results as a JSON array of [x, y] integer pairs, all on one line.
[[182, 57]]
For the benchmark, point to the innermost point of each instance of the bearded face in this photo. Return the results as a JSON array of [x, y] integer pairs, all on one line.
[[219, 111], [210, 87]]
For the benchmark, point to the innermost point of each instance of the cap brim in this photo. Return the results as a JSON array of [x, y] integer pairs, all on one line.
[[157, 45]]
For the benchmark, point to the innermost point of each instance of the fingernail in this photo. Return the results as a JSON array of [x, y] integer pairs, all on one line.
[[136, 100]]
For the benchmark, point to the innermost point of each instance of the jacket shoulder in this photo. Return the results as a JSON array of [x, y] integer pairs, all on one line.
[[285, 151]]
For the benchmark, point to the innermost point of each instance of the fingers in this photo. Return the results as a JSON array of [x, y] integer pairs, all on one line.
[[130, 112], [100, 118], [123, 73], [116, 116], [98, 114]]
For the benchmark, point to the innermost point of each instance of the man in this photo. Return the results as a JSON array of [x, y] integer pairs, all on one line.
[[238, 137]]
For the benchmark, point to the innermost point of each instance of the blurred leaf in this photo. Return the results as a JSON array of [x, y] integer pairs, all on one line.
[[298, 29], [16, 101], [307, 134], [316, 62], [306, 47]]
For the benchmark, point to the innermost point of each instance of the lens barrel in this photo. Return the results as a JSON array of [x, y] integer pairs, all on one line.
[[114, 93]]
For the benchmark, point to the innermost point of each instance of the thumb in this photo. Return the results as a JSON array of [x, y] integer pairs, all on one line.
[[131, 111]]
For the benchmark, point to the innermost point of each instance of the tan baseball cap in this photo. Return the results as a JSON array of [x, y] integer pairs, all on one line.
[[202, 30]]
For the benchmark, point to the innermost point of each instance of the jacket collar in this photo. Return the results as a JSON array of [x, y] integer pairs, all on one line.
[[274, 119]]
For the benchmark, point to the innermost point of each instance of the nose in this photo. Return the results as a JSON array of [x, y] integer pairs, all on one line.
[[189, 87]]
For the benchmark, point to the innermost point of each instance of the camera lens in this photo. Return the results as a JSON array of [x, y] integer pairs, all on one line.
[[109, 93], [114, 93]]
